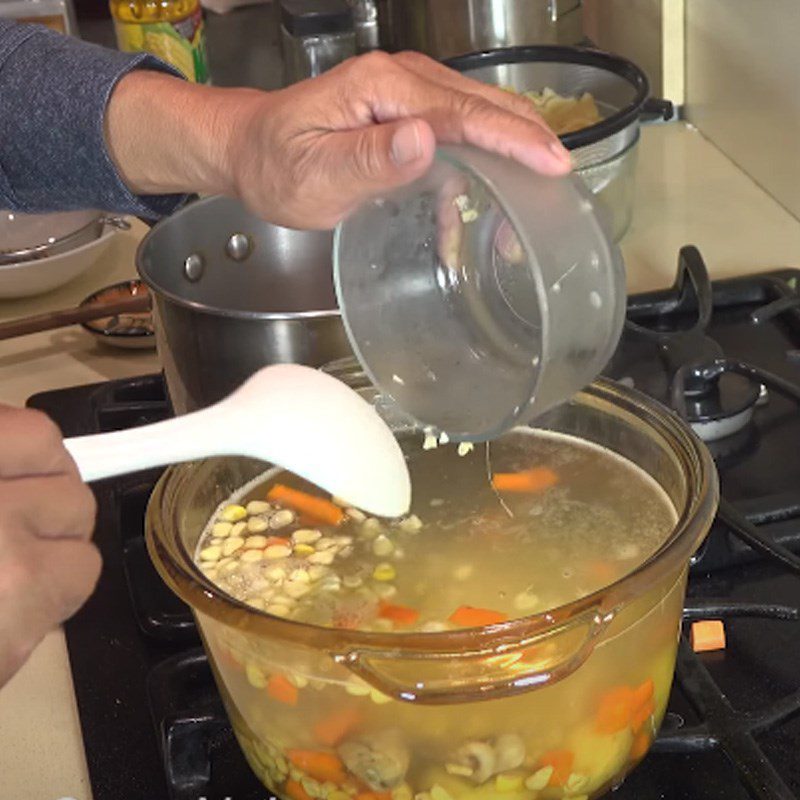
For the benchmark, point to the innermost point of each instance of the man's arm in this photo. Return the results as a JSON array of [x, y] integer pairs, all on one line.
[[53, 95], [82, 126]]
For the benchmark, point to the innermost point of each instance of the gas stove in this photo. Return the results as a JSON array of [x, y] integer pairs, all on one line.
[[725, 355]]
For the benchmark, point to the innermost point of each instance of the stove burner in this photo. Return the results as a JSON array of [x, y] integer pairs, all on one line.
[[715, 395], [723, 407]]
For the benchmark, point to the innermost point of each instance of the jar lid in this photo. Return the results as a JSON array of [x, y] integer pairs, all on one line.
[[316, 17]]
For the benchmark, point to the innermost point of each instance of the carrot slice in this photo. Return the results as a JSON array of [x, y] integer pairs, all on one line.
[[295, 791], [279, 688], [708, 634], [561, 762], [530, 480], [319, 765], [643, 693], [332, 729], [472, 617], [642, 714], [277, 540], [641, 744], [318, 508], [615, 711], [402, 616]]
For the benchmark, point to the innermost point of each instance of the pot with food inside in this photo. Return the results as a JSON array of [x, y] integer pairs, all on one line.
[[593, 100], [514, 636]]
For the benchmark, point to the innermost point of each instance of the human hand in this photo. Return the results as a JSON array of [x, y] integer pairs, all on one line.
[[48, 566], [311, 153], [307, 155]]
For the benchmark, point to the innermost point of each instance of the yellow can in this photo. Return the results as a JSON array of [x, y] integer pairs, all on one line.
[[170, 29]]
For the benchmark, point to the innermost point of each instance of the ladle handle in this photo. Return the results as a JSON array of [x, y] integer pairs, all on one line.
[[105, 455]]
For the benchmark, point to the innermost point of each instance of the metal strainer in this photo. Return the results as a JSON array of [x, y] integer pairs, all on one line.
[[604, 154], [29, 237]]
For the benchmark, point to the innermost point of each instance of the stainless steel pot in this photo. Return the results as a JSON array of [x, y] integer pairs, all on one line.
[[444, 28], [604, 154], [233, 293]]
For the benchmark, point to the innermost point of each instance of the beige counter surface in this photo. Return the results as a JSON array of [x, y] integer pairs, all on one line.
[[687, 192]]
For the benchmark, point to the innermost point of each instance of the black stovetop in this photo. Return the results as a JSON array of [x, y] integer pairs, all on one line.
[[153, 723]]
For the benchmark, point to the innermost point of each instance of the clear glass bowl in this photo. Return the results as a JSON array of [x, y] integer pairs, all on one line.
[[481, 295]]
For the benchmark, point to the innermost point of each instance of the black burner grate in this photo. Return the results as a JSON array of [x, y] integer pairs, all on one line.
[[732, 728]]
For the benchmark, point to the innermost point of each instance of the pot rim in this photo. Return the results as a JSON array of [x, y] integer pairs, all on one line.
[[160, 293], [564, 54], [177, 568]]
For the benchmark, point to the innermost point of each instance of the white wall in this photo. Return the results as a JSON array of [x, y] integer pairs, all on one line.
[[743, 87], [649, 32]]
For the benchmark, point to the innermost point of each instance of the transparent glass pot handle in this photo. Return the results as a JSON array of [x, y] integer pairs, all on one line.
[[499, 669]]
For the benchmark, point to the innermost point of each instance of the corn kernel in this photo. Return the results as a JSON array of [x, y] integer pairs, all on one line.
[[384, 572], [460, 770], [210, 553], [306, 536], [257, 524], [382, 546], [233, 513], [231, 545], [303, 550], [275, 551], [576, 782], [356, 515], [280, 519], [371, 528], [539, 779], [296, 589], [221, 529], [257, 507], [297, 680], [255, 676], [411, 524]]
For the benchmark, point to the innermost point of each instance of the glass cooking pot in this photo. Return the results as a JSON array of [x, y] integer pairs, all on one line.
[[293, 690]]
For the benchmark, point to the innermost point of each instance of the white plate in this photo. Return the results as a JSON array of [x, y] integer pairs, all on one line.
[[36, 277]]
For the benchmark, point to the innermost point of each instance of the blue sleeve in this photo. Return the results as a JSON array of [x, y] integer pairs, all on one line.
[[53, 94]]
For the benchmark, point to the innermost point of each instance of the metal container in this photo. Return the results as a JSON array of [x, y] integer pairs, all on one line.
[[604, 154], [315, 35], [445, 28], [32, 237], [233, 293]]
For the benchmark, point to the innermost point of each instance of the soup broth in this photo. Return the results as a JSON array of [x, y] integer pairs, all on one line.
[[527, 524]]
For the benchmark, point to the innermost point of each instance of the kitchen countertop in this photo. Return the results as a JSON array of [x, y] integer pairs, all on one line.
[[687, 192]]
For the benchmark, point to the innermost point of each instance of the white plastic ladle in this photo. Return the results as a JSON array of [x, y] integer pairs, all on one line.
[[294, 417]]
